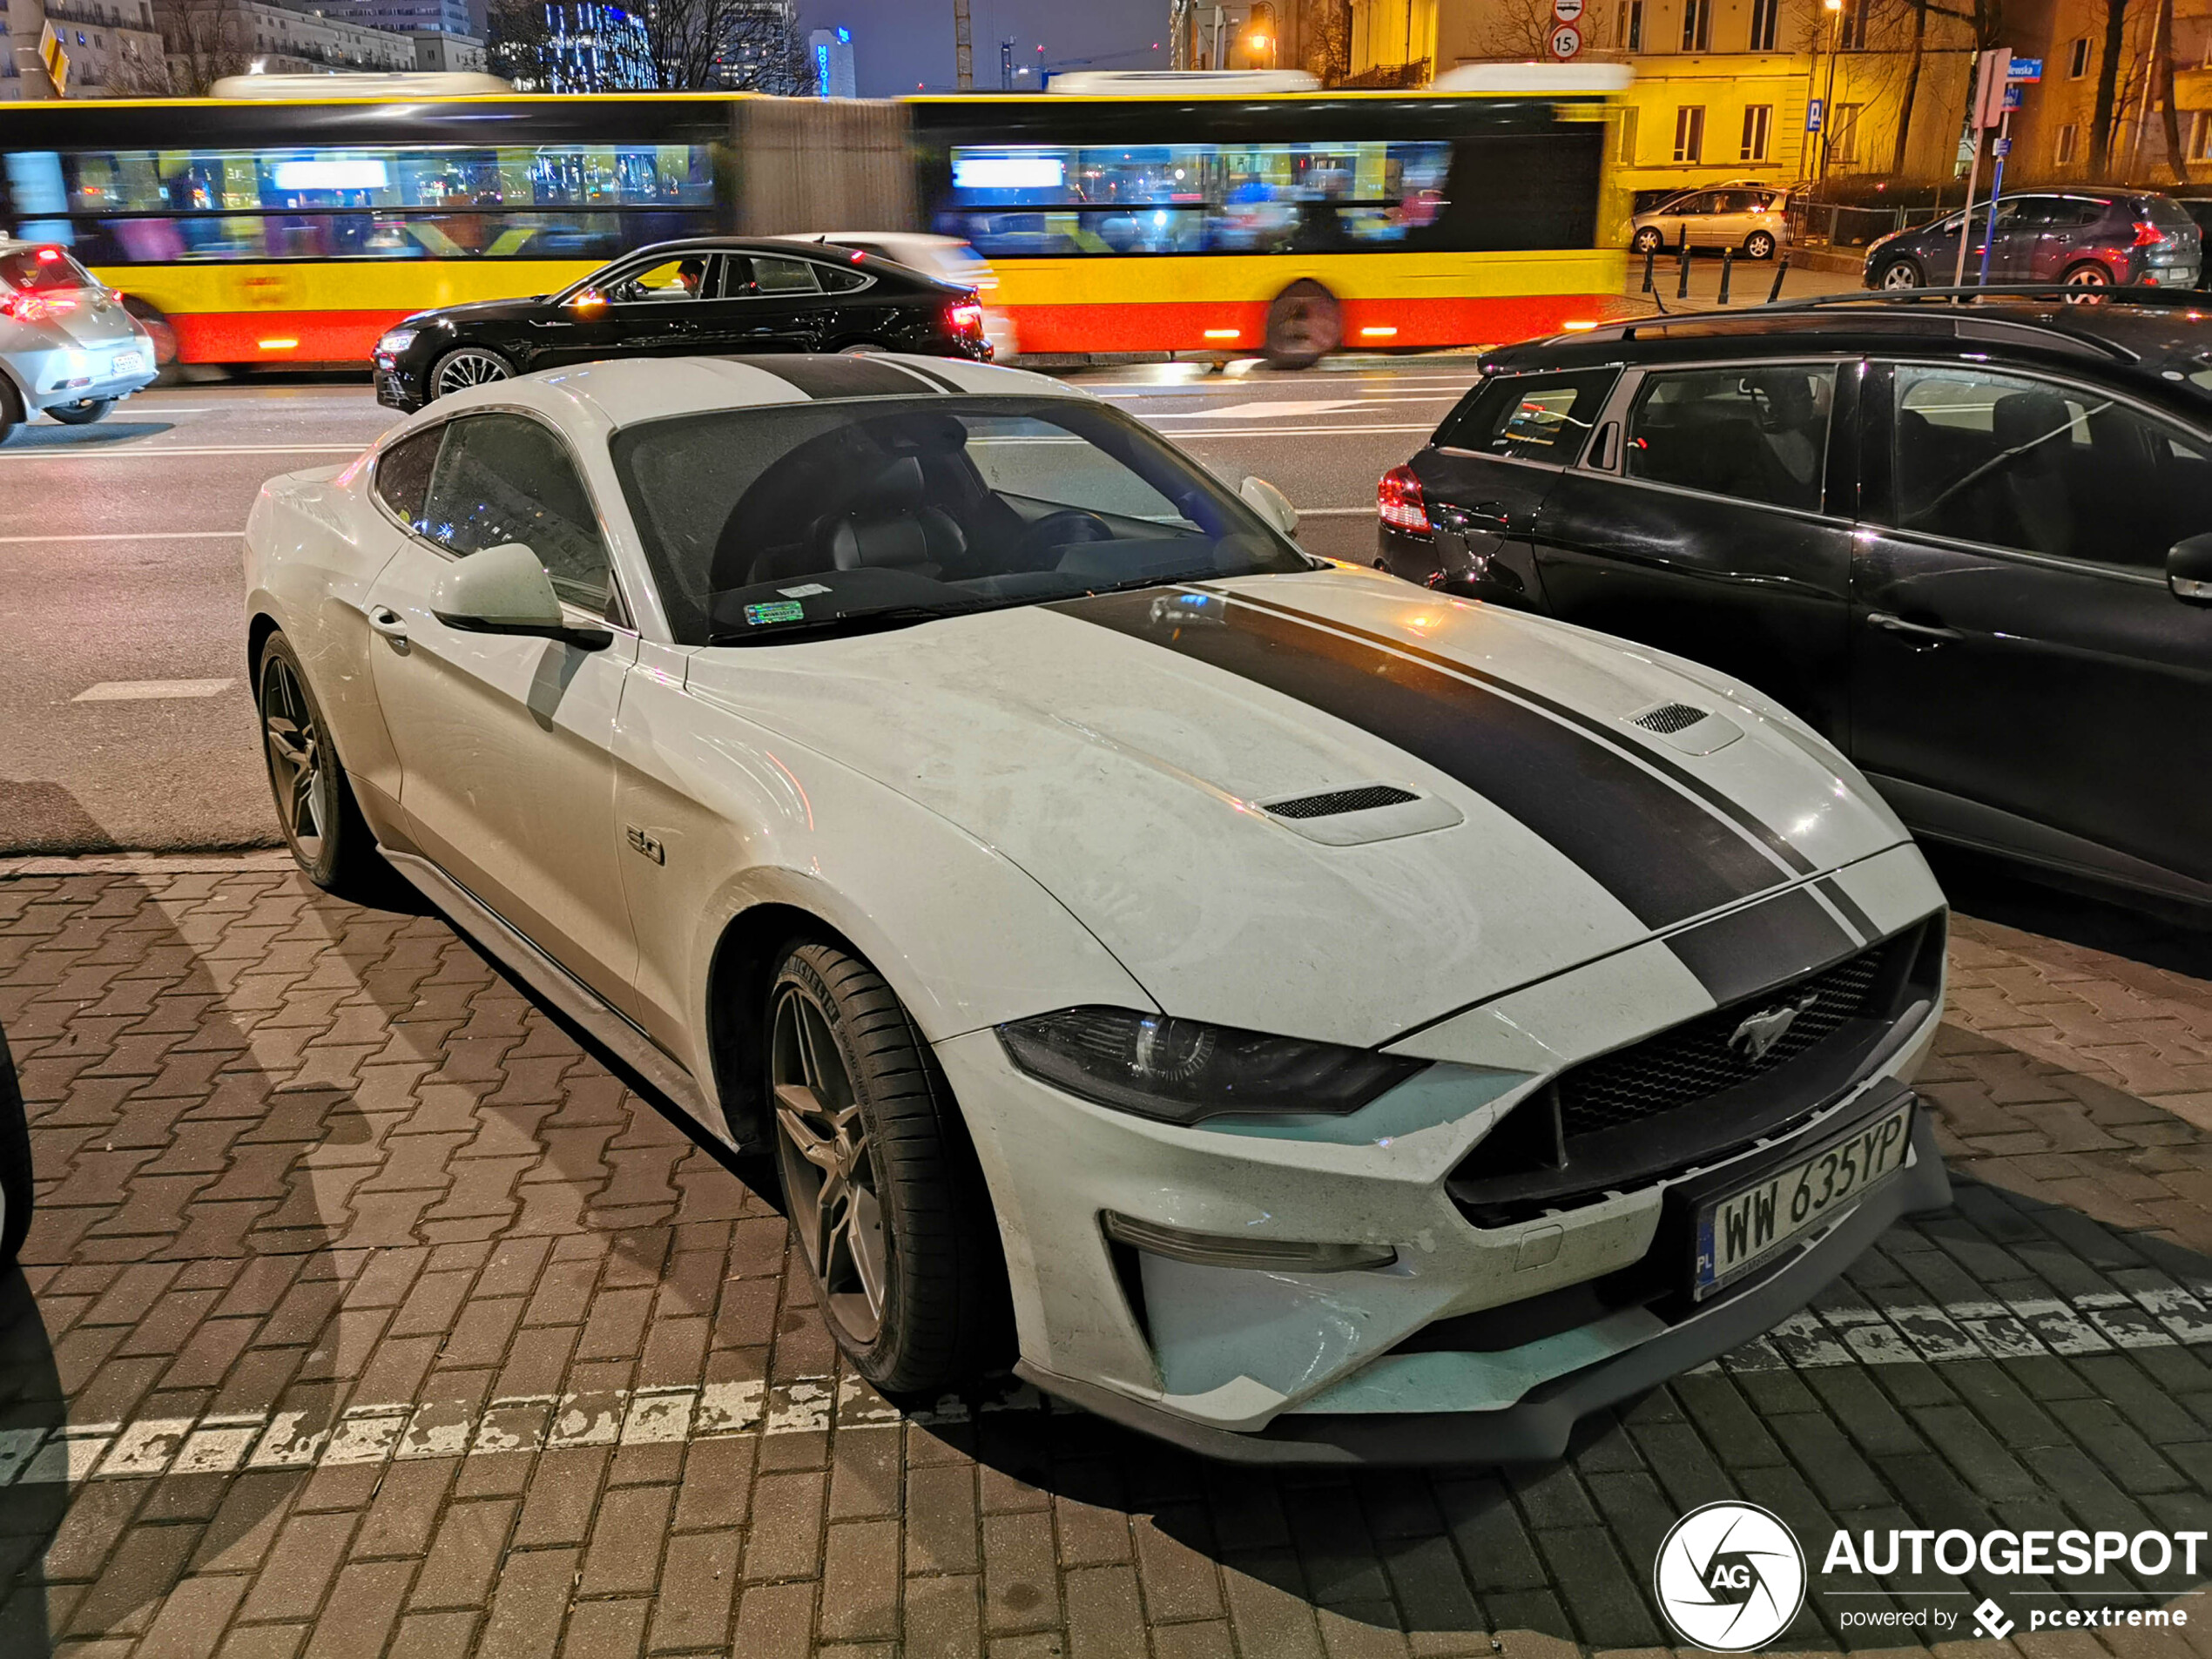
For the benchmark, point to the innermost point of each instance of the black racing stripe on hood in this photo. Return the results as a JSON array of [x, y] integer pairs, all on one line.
[[1772, 943], [840, 376], [1848, 907], [1662, 855], [1764, 834]]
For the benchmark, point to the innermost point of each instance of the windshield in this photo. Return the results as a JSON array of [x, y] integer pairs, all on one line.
[[798, 519]]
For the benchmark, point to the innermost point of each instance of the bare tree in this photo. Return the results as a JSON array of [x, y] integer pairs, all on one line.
[[1326, 27], [763, 52], [2175, 157], [205, 40], [1517, 28], [518, 43], [2105, 116]]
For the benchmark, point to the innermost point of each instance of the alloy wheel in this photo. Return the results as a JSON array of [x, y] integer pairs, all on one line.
[[829, 1174], [2087, 276], [1760, 245], [469, 367], [1900, 275], [296, 772]]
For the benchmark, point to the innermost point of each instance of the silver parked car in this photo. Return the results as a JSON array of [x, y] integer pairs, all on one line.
[[1743, 214], [67, 346]]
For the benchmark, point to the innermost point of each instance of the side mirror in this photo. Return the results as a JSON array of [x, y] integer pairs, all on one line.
[[2189, 569], [1269, 503], [505, 590]]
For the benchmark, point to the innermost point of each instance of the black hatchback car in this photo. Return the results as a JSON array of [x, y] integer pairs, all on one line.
[[1970, 544], [704, 297], [2086, 238]]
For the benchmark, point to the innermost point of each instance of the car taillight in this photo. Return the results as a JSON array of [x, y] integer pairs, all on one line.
[[965, 318], [25, 307], [1398, 499], [2148, 234]]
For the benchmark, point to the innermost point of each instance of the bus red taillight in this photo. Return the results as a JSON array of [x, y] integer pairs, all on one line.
[[1398, 499]]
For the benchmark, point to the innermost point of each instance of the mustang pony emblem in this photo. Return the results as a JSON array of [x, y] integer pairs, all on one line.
[[1762, 1030]]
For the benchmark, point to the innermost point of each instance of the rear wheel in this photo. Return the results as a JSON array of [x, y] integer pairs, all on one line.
[[1647, 241], [1759, 245], [862, 349], [467, 366], [1902, 273], [880, 1183], [315, 807], [84, 412], [2088, 274], [1304, 326]]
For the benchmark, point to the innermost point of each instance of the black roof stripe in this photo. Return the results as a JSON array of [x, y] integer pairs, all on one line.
[[1753, 828], [1661, 853], [827, 377]]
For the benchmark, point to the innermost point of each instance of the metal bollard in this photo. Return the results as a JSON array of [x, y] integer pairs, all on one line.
[[1650, 259], [1728, 267], [1682, 252], [1781, 269]]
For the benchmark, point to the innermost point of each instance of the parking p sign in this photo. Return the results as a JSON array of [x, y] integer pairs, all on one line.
[[1566, 41]]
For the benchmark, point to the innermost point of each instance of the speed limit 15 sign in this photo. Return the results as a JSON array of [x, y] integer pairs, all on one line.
[[1566, 41]]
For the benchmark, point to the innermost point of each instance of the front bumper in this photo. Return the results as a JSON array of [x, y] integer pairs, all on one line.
[[1278, 1364]]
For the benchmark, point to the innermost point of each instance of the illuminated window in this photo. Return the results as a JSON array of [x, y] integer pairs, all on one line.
[[1758, 124], [1698, 25], [1843, 135], [1689, 133], [1764, 15], [1629, 137], [1629, 25]]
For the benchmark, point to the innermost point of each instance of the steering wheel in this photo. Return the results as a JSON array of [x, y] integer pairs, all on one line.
[[1059, 529]]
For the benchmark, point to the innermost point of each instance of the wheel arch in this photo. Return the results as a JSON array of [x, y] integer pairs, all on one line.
[[14, 397], [746, 956], [258, 629]]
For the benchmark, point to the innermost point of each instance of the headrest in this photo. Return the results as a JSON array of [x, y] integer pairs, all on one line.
[[896, 489], [2022, 418]]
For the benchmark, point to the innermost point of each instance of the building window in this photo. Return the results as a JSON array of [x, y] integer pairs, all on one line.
[[1689, 133], [1758, 122], [1843, 135], [1629, 136], [2203, 150], [1629, 25], [2077, 59], [1696, 25], [1852, 37], [1765, 14], [2069, 142]]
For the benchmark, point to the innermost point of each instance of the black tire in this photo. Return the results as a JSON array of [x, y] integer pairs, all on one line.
[[1647, 241], [1303, 325], [940, 1315], [862, 349], [82, 411], [466, 365], [1759, 245], [1901, 273], [322, 823], [15, 1162], [2090, 277], [10, 408]]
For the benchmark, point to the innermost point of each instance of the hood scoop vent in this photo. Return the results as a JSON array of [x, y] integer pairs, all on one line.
[[1360, 813], [1686, 728]]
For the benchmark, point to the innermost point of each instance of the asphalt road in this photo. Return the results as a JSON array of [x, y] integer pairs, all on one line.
[[124, 720]]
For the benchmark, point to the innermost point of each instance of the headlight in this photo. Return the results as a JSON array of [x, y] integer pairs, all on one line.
[[1184, 1070], [396, 342]]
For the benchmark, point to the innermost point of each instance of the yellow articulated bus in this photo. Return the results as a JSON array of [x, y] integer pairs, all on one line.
[[258, 232]]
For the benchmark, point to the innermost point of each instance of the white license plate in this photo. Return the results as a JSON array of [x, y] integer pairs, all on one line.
[[129, 362], [1734, 1234]]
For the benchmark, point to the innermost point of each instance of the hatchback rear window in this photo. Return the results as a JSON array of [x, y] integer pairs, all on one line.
[[2167, 213], [40, 269]]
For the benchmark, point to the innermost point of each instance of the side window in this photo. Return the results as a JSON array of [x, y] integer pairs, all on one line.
[[404, 473], [502, 478], [1756, 434], [685, 279], [778, 277], [842, 279], [1529, 417], [1979, 456]]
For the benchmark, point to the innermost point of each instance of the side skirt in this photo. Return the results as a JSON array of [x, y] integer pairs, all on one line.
[[606, 1024]]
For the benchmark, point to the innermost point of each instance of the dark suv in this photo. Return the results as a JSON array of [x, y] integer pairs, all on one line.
[[1972, 545], [2087, 238]]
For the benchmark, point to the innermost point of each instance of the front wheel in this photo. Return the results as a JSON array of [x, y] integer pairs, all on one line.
[[1304, 326], [880, 1183], [322, 824], [1647, 241], [1759, 245], [1902, 273], [84, 412], [467, 366]]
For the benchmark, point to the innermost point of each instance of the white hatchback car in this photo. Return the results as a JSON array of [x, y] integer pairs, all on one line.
[[1282, 1009], [67, 346], [1752, 218]]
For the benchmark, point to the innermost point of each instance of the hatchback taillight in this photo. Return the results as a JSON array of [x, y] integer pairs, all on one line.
[[965, 318], [1399, 500], [2148, 234], [24, 308]]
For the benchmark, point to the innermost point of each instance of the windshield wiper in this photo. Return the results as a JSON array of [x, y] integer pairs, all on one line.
[[845, 622]]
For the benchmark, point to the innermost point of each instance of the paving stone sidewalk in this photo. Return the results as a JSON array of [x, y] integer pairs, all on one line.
[[367, 1314]]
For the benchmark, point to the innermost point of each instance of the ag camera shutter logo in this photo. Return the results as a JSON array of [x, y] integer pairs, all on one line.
[[1729, 1577]]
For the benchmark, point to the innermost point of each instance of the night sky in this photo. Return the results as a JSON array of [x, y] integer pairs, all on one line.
[[897, 43]]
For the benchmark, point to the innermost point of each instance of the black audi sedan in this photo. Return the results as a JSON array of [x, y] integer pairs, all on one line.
[[1970, 544], [702, 297]]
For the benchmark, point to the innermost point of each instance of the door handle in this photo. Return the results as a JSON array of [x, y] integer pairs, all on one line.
[[1933, 633], [388, 623]]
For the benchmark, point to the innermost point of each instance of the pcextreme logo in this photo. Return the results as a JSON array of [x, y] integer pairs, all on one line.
[[1729, 1577]]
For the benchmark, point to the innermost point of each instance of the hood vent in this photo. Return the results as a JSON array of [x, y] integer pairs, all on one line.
[[1685, 726], [1366, 798], [1668, 717]]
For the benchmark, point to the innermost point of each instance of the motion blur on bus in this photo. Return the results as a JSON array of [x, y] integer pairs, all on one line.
[[1191, 219]]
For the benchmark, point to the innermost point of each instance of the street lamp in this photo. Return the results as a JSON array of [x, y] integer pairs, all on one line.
[[1835, 9]]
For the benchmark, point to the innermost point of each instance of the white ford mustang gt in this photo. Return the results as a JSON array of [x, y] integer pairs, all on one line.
[[1277, 1008]]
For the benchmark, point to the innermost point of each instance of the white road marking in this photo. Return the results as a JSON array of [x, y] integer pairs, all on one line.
[[1297, 431], [140, 691], [142, 451], [1271, 408], [126, 535]]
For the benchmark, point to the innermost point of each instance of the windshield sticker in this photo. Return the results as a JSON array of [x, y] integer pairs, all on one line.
[[780, 610], [804, 590]]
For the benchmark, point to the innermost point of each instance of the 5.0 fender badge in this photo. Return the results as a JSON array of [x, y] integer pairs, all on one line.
[[641, 842]]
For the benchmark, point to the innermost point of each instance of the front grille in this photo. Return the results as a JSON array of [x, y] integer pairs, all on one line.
[[1668, 718], [1705, 1056], [1365, 798]]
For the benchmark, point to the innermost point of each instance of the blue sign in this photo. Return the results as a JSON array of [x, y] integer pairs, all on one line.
[[1812, 116], [2002, 147], [2015, 94], [2025, 69]]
